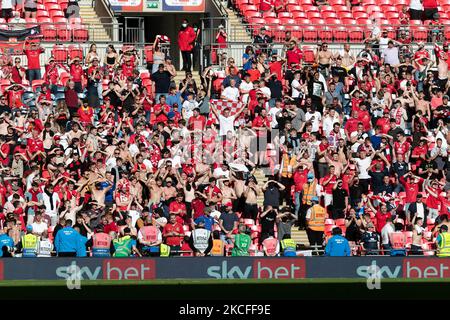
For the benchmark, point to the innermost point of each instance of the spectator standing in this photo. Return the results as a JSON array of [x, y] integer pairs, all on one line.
[[186, 38], [337, 245]]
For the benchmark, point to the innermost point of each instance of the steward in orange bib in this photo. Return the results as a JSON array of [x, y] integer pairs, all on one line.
[[218, 248], [101, 244], [315, 221], [309, 191], [150, 238]]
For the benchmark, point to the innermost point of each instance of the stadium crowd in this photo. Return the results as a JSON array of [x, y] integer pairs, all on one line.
[[99, 157]]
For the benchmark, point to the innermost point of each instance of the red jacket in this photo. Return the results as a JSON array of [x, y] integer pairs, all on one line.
[[186, 39]]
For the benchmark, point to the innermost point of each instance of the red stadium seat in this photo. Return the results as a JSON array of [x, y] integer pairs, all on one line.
[[297, 32], [392, 15], [310, 34], [299, 14], [329, 222], [52, 6], [359, 15], [328, 229], [419, 33], [327, 9], [64, 32], [332, 21], [31, 22], [314, 14], [345, 15], [272, 21], [294, 8], [37, 84], [308, 55], [356, 34], [64, 77], [340, 222], [377, 15], [75, 20], [253, 14], [336, 3], [249, 222], [284, 15], [340, 34], [306, 2], [56, 13], [310, 8], [348, 21], [80, 33], [329, 14], [4, 83], [408, 236], [75, 51], [279, 33], [269, 14], [341, 8], [42, 14], [59, 52], [48, 32], [317, 21]]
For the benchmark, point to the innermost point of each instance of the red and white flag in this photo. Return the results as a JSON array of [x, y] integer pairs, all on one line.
[[220, 105]]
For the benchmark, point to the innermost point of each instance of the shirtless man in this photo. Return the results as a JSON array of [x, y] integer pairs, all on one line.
[[336, 163], [124, 152], [228, 193], [324, 58], [136, 189], [169, 191], [422, 105], [202, 171], [251, 193], [348, 59], [74, 133], [156, 190], [442, 58], [417, 236], [99, 192]]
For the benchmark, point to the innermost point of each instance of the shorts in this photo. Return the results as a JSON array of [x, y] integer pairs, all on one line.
[[415, 14], [30, 9], [428, 13], [7, 13]]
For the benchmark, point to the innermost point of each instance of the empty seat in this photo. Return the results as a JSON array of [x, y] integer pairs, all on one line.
[[299, 14], [59, 52], [294, 8], [329, 14], [284, 15], [325, 34], [313, 14], [269, 14], [340, 34], [48, 32], [80, 33], [420, 33]]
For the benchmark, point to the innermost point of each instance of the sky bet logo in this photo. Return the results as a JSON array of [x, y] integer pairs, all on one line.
[[112, 269], [261, 269]]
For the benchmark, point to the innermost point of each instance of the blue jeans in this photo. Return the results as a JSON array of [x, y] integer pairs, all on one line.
[[34, 74]]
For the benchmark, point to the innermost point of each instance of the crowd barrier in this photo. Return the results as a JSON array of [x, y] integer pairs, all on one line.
[[225, 268]]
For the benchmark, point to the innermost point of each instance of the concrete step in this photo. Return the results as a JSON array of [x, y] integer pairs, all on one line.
[[299, 236]]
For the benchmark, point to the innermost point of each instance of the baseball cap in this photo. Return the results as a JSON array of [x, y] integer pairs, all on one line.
[[310, 176], [29, 228], [444, 227], [228, 204], [315, 199]]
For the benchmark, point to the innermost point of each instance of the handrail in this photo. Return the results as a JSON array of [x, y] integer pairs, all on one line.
[[218, 4]]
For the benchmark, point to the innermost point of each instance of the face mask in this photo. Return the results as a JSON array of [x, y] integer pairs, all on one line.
[[184, 25], [195, 29]]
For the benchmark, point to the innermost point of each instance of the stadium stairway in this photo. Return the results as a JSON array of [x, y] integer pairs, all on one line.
[[238, 34], [90, 18]]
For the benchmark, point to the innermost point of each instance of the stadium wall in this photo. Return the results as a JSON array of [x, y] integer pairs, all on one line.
[[224, 268]]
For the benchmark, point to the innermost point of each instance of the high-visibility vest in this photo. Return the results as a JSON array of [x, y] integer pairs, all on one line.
[[242, 244], [122, 246], [286, 169], [29, 245], [149, 233], [397, 240], [318, 216], [101, 245], [270, 246], [444, 246], [201, 239], [309, 192], [289, 247], [164, 250], [218, 248]]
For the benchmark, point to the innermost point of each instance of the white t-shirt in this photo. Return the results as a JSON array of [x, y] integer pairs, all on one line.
[[39, 227], [226, 124], [420, 211], [316, 121], [6, 4], [266, 91], [134, 216], [387, 229], [363, 166], [390, 56], [231, 93], [295, 92], [273, 113], [383, 43], [245, 87], [416, 5]]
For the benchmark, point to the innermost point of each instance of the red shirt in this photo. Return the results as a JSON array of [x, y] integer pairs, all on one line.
[[15, 98], [33, 58], [411, 190], [351, 125], [197, 123], [275, 67], [127, 70], [294, 56], [445, 204], [5, 149], [197, 207], [260, 122], [266, 5], [254, 74], [35, 145], [364, 117], [429, 4], [300, 178], [173, 240], [401, 147], [175, 207], [86, 114], [162, 117], [384, 124], [381, 220], [15, 76], [110, 227], [433, 202], [76, 71], [329, 187]]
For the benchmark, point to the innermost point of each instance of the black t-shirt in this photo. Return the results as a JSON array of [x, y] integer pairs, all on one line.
[[162, 81], [282, 121], [129, 102], [370, 240], [272, 197], [393, 133], [228, 220], [114, 98], [425, 165], [276, 88], [339, 198], [340, 72], [400, 168], [352, 233], [355, 192], [377, 179], [268, 222]]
